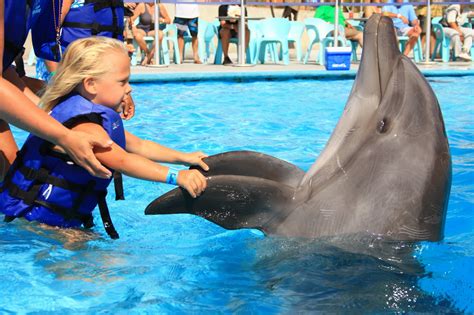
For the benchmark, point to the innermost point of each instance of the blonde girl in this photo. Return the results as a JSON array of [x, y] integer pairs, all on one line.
[[86, 94]]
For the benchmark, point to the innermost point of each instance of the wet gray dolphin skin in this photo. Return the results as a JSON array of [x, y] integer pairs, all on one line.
[[385, 171]]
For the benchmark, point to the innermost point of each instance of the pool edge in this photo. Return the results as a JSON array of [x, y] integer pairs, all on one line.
[[271, 75]]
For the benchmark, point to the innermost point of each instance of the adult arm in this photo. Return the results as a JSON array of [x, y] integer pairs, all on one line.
[[165, 18], [137, 166], [18, 110], [2, 34], [158, 153], [136, 13]]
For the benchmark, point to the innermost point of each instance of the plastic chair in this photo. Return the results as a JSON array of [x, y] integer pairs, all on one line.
[[294, 36], [318, 31], [443, 42], [417, 50], [274, 31], [170, 35], [209, 35]]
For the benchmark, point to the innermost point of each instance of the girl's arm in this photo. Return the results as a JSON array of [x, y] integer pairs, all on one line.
[[158, 153], [138, 166], [17, 109]]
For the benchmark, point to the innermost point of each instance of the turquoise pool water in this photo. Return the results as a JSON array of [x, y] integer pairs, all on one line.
[[182, 264]]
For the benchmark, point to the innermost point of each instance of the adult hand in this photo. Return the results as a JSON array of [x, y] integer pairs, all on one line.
[[192, 181], [404, 19], [195, 158], [79, 146], [128, 107]]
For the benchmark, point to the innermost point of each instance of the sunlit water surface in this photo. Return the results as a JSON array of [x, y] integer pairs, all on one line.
[[181, 263]]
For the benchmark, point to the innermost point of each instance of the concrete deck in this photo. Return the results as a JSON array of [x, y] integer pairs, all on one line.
[[193, 72]]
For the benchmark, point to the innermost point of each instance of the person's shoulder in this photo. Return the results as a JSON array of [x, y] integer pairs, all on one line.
[[389, 8]]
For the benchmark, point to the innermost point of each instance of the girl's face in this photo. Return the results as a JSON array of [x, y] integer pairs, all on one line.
[[112, 87]]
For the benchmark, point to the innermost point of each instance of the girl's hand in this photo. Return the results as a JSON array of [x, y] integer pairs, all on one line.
[[195, 158], [128, 107], [192, 181]]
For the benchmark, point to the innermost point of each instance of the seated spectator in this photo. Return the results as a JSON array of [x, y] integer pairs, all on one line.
[[327, 13], [146, 26], [422, 13], [405, 21], [369, 10], [229, 28], [187, 21], [461, 37]]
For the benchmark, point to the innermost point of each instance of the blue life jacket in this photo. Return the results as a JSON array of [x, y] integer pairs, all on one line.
[[44, 21], [16, 17], [38, 15], [93, 18], [43, 185]]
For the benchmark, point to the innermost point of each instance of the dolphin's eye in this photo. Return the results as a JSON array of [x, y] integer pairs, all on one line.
[[382, 126]]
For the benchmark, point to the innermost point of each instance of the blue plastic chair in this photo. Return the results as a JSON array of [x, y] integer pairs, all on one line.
[[295, 35], [417, 49], [170, 35], [318, 31], [443, 42], [274, 31]]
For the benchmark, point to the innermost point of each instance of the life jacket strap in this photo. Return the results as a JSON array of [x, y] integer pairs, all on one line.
[[106, 219], [95, 28], [118, 185]]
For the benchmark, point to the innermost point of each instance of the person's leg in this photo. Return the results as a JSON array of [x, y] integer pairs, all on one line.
[[413, 35], [455, 40], [467, 34], [355, 35], [139, 38], [193, 26], [225, 40], [151, 53]]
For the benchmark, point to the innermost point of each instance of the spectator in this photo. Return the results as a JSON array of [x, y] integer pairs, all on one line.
[[369, 10], [229, 28], [405, 21], [146, 27], [422, 13], [461, 37], [327, 13], [187, 19]]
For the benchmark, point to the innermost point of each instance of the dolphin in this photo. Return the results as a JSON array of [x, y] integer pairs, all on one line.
[[385, 171]]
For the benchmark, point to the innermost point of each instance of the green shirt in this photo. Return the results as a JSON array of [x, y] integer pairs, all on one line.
[[327, 13]]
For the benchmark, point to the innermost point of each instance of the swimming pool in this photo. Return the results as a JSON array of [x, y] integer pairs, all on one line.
[[182, 263]]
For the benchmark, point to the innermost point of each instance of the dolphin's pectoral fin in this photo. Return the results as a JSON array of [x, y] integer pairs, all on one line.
[[253, 164], [231, 201]]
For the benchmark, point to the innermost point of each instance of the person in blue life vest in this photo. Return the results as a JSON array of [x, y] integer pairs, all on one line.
[[18, 108], [86, 94], [80, 19]]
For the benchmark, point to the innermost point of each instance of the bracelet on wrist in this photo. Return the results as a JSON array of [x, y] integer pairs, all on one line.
[[172, 177]]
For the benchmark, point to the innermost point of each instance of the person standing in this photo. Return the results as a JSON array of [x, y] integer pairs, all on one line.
[[186, 20]]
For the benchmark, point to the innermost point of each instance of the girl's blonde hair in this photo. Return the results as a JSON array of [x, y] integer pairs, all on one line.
[[83, 58]]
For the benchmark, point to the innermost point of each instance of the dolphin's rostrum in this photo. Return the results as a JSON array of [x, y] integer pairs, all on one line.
[[385, 171]]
